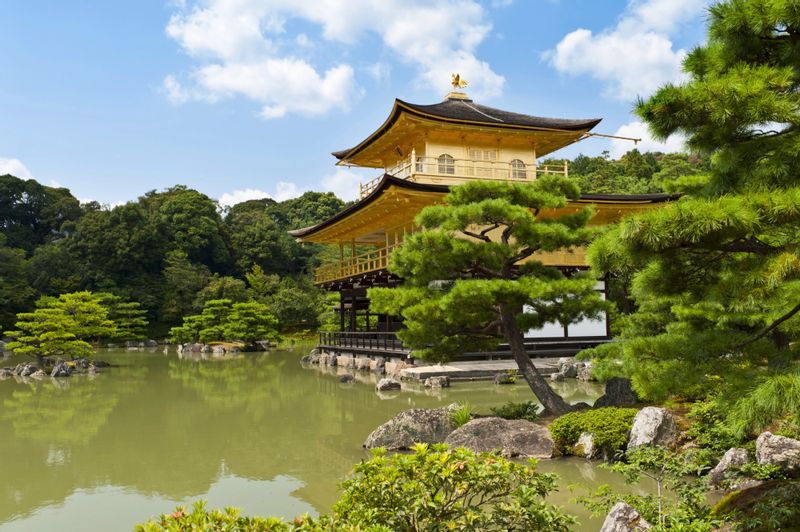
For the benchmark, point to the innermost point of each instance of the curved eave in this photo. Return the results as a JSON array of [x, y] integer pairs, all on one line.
[[389, 181], [400, 107]]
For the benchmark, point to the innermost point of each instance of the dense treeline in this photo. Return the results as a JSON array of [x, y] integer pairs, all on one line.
[[171, 251]]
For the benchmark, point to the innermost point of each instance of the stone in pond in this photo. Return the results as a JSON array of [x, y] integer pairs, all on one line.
[[653, 426], [420, 425], [442, 381], [780, 451], [385, 385], [731, 462], [514, 437], [624, 518]]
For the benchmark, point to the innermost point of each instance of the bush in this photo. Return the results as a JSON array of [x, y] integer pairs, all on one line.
[[774, 505], [438, 489], [609, 426], [527, 410], [708, 428], [462, 416], [433, 489]]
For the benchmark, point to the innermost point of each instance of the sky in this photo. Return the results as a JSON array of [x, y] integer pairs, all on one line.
[[243, 99]]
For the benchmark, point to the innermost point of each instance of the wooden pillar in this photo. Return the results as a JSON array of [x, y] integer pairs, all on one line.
[[341, 311]]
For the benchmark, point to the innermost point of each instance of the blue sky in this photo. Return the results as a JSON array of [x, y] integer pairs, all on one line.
[[247, 98]]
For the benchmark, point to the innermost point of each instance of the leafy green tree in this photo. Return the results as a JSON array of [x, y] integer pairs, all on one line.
[[297, 305], [223, 287], [250, 322], [472, 278], [260, 285], [305, 210], [183, 280], [130, 320], [716, 275], [73, 319], [16, 294], [53, 269], [32, 214]]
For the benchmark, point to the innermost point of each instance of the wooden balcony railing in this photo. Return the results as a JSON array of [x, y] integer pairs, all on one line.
[[413, 168], [349, 266], [360, 340]]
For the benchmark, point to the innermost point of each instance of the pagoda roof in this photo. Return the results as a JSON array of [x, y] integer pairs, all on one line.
[[617, 201], [460, 110]]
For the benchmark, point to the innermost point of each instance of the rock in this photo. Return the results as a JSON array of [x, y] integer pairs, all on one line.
[[442, 381], [378, 365], [61, 369], [504, 378], [624, 518], [101, 364], [514, 437], [205, 348], [92, 370], [557, 377], [82, 363], [362, 363], [346, 378], [420, 425], [193, 348], [311, 358], [780, 451], [618, 393], [150, 343], [2, 346], [218, 350], [731, 462], [5, 373], [38, 374], [234, 349], [25, 370], [585, 446], [653, 426], [384, 385], [585, 372], [567, 367]]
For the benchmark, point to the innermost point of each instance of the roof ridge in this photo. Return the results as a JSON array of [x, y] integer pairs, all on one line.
[[481, 112]]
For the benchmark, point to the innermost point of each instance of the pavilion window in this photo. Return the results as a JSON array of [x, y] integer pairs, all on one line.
[[518, 169], [447, 165]]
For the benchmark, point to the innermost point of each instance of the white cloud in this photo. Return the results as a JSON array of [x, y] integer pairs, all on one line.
[[15, 168], [238, 54], [634, 57], [379, 71], [285, 191], [230, 199], [343, 182], [639, 130]]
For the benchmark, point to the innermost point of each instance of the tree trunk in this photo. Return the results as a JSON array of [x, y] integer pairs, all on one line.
[[552, 402]]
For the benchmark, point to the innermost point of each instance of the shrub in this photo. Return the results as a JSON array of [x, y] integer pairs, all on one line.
[[433, 489], [437, 488], [609, 426], [462, 416], [774, 505], [527, 410], [708, 428]]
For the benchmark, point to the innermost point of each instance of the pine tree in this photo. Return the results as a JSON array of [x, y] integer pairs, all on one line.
[[717, 274], [472, 278]]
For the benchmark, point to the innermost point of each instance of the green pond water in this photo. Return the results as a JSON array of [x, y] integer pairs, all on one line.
[[259, 432]]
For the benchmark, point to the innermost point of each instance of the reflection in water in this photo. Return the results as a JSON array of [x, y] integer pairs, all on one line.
[[257, 431]]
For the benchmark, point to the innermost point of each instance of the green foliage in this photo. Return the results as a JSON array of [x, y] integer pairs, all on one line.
[[436, 488], [15, 293], [610, 427], [763, 471], [213, 521], [716, 275], [461, 416], [771, 506], [224, 287], [527, 410], [465, 290], [670, 471], [224, 320], [709, 429], [130, 320]]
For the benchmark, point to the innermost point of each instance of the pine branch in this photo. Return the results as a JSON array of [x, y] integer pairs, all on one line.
[[766, 330]]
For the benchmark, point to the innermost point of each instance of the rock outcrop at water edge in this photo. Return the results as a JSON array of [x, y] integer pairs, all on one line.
[[618, 393], [624, 518], [780, 451], [61, 369], [386, 385], [653, 426], [516, 437], [442, 381], [420, 425]]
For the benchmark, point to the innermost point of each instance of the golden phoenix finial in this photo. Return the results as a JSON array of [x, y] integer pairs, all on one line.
[[457, 81]]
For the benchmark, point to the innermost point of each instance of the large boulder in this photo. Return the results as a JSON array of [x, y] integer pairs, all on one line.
[[653, 426], [505, 378], [346, 378], [585, 372], [25, 370], [385, 385], [780, 451], [5, 373], [567, 367], [618, 393], [731, 462], [420, 425], [624, 518], [516, 437], [61, 369], [585, 446]]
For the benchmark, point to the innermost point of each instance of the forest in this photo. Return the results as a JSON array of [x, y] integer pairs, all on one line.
[[172, 251]]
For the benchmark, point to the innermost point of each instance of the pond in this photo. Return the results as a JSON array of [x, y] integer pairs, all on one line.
[[259, 432]]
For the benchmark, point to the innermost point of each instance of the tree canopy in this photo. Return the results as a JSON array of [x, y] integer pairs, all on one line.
[[472, 278], [716, 275]]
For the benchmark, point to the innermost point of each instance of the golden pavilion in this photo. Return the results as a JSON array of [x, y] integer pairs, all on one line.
[[422, 150]]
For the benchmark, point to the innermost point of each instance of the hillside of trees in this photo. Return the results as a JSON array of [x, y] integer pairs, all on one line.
[[174, 250]]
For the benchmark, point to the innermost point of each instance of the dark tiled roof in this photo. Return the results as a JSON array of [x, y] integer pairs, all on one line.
[[466, 111]]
